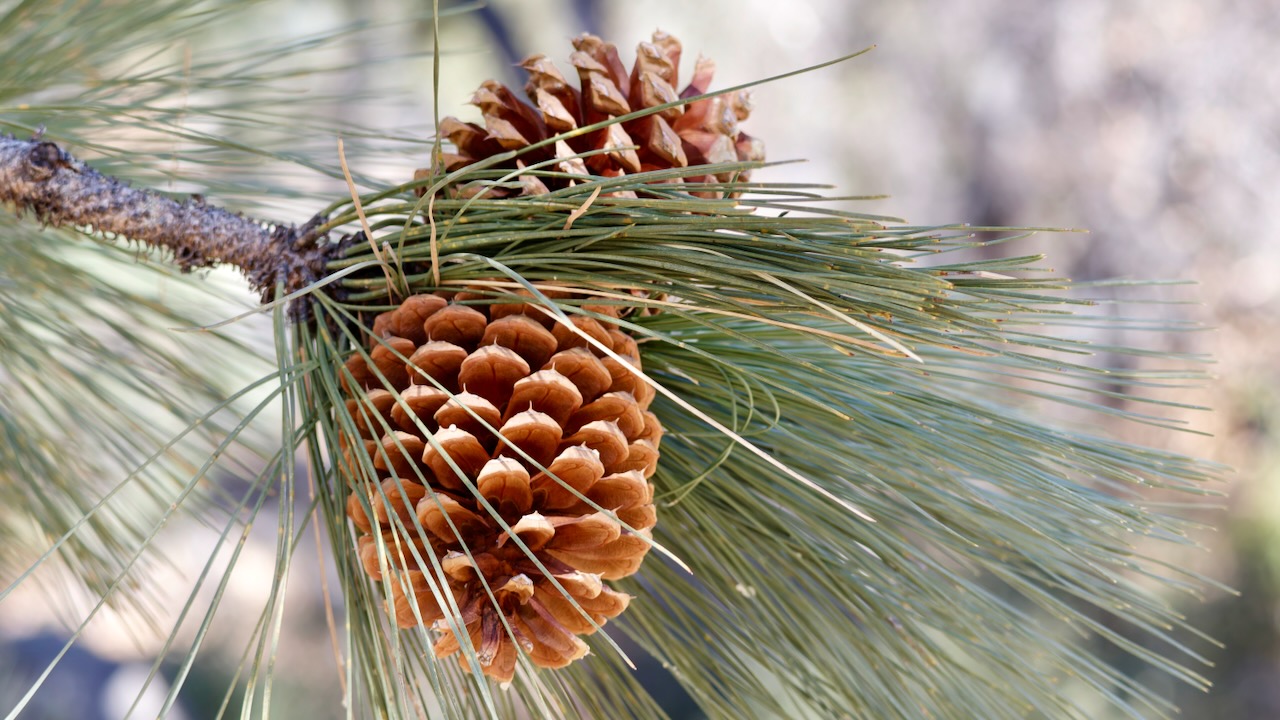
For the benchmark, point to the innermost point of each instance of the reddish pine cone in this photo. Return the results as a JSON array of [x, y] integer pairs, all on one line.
[[555, 403], [702, 132]]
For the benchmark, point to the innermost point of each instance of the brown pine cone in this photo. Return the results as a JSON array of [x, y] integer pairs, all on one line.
[[702, 132], [555, 403]]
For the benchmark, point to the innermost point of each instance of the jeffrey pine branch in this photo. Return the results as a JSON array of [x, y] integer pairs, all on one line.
[[41, 178]]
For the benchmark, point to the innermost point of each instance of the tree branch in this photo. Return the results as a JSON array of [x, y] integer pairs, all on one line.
[[41, 178]]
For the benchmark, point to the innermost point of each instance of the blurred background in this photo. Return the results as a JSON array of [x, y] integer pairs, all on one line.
[[1153, 124]]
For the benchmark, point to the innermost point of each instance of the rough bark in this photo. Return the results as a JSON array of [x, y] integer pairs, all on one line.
[[41, 178]]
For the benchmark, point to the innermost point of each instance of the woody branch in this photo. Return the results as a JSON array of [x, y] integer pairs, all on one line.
[[41, 178]]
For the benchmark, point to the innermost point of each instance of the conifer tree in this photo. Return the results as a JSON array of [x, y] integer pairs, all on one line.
[[588, 381]]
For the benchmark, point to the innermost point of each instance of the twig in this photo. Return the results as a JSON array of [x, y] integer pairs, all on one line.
[[41, 178]]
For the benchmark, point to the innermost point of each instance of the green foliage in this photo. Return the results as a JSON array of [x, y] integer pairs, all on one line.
[[871, 526], [118, 422], [863, 511]]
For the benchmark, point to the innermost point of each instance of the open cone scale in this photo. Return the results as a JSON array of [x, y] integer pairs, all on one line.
[[701, 132], [535, 422]]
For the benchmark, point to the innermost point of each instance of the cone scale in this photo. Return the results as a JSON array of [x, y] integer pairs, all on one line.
[[519, 456], [700, 132]]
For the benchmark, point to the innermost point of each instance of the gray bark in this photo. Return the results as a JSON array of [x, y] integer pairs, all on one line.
[[42, 179]]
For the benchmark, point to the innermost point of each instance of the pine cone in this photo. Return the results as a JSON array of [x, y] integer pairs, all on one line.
[[702, 132], [555, 404]]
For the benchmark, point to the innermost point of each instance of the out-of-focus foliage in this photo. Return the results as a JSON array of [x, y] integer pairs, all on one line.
[[119, 419]]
